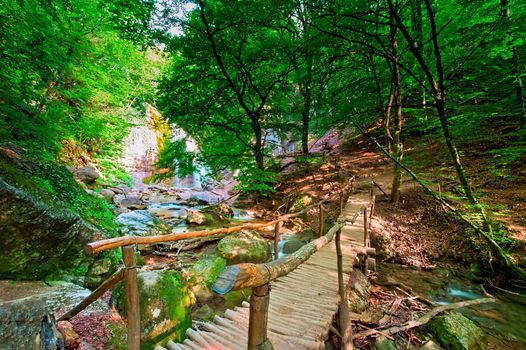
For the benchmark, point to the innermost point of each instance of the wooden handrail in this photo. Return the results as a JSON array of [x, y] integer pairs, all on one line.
[[106, 244], [248, 275]]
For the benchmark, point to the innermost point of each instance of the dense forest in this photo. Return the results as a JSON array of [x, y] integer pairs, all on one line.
[[435, 88]]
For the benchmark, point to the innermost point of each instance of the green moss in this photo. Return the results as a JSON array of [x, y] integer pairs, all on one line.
[[169, 297], [457, 332], [54, 185], [205, 271]]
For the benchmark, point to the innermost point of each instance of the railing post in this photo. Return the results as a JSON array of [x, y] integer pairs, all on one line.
[[258, 319], [343, 313], [320, 209], [276, 239], [342, 198], [132, 298], [366, 240]]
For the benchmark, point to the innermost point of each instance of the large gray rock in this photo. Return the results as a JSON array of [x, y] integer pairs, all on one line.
[[142, 223], [132, 202], [244, 246], [86, 174], [455, 331], [44, 217], [23, 305]]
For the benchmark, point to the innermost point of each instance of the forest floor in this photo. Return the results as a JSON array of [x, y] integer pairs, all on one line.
[[418, 231], [431, 248]]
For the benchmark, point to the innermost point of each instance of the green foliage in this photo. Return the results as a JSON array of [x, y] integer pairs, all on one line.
[[69, 79], [174, 158], [253, 179]]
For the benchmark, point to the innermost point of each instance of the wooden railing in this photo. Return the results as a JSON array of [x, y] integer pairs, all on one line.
[[259, 276], [259, 282]]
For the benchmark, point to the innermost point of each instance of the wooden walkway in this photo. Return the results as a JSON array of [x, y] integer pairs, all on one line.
[[302, 304]]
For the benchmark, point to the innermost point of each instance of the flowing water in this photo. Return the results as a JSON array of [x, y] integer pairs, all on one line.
[[503, 321]]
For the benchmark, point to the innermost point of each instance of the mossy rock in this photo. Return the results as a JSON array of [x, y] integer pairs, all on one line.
[[165, 304], [292, 244], [244, 247], [454, 331], [46, 219], [205, 271]]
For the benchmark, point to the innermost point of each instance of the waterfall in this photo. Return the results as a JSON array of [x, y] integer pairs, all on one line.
[[196, 179]]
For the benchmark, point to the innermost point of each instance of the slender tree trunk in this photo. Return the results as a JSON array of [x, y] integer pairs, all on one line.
[[258, 146], [418, 29], [397, 147], [387, 119], [453, 151], [379, 99], [305, 115]]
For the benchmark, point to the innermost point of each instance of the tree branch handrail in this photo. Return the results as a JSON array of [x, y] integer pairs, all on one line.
[[249, 275], [106, 244]]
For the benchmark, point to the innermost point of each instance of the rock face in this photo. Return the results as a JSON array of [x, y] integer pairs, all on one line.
[[44, 218], [164, 306], [457, 332], [244, 246], [23, 306], [142, 223]]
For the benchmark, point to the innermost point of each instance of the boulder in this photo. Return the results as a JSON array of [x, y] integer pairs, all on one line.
[[107, 194], [194, 217], [205, 270], [142, 223], [87, 174], [94, 194], [132, 202], [291, 245], [244, 246], [165, 303], [24, 304], [46, 219], [457, 332]]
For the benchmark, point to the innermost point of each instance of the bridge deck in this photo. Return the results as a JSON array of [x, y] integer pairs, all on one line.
[[302, 304]]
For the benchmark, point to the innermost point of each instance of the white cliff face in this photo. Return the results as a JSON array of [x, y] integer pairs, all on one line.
[[141, 150]]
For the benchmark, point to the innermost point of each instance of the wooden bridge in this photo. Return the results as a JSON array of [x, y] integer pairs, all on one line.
[[303, 303], [294, 299]]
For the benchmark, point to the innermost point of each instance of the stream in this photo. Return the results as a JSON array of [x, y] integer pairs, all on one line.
[[504, 321]]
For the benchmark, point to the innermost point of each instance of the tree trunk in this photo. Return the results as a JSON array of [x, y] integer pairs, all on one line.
[[305, 115], [258, 145], [397, 147], [418, 29], [307, 91]]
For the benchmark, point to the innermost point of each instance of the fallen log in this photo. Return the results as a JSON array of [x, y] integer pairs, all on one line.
[[425, 318]]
